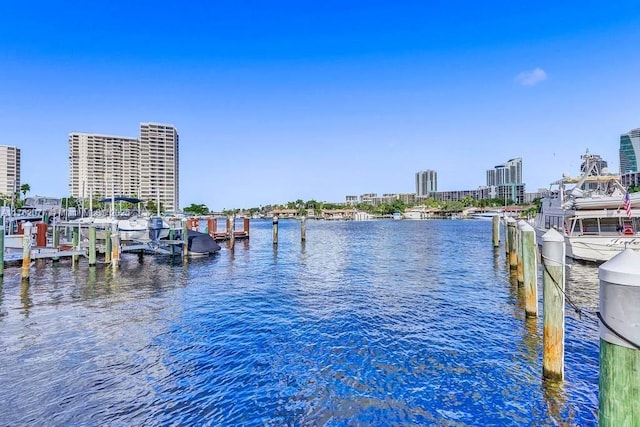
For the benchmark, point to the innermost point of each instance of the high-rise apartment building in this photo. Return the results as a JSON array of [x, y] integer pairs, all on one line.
[[9, 170], [507, 173], [629, 151], [102, 165], [145, 167], [426, 182], [159, 171]]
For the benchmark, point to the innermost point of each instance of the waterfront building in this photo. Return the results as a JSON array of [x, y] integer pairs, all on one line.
[[530, 197], [351, 200], [426, 182], [507, 173], [629, 151], [9, 170], [144, 167], [368, 198], [407, 198], [159, 170], [102, 165]]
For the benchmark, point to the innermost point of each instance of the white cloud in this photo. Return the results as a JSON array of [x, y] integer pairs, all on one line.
[[532, 77]]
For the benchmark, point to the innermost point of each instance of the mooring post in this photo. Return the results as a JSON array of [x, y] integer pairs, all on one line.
[[107, 244], [26, 250], [185, 238], [275, 229], [115, 248], [519, 266], [553, 254], [41, 234], [211, 227], [2, 250], [513, 256], [172, 236], [56, 239], [303, 229], [232, 229], [92, 245], [530, 270], [75, 242], [619, 381], [245, 226], [505, 224], [496, 230]]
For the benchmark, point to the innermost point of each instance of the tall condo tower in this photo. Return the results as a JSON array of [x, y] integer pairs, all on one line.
[[629, 151], [426, 182], [9, 170], [145, 167], [159, 171], [507, 173], [102, 165]]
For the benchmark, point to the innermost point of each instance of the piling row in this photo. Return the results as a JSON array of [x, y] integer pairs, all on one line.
[[619, 317]]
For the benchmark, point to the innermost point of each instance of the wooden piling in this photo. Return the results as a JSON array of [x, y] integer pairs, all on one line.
[[2, 251], [553, 255], [530, 270], [211, 227], [92, 245], [231, 222], [56, 239], [172, 236], [185, 238], [496, 231], [505, 224], [75, 242], [246, 226], [41, 234], [303, 229], [115, 248], [275, 229], [519, 256], [107, 244], [619, 378], [511, 230], [26, 250]]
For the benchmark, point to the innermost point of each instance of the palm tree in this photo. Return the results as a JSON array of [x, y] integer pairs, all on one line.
[[25, 188]]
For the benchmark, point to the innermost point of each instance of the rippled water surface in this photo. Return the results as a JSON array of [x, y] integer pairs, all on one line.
[[367, 323]]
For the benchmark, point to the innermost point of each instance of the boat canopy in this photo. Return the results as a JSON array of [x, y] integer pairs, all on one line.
[[121, 199]]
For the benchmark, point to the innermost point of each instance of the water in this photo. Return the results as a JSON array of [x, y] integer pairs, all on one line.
[[368, 323]]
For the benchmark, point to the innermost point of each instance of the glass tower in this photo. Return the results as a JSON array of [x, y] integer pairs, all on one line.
[[629, 151]]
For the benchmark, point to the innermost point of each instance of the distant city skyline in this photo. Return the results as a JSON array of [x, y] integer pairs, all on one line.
[[315, 100]]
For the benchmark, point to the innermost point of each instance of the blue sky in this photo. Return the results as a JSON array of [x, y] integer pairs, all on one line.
[[283, 100]]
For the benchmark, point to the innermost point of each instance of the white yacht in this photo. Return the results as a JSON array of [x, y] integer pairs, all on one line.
[[590, 211]]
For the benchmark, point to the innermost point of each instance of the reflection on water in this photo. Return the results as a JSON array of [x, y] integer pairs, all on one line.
[[382, 322]]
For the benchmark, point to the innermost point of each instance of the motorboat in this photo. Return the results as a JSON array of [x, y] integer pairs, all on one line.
[[486, 216], [131, 226], [591, 213]]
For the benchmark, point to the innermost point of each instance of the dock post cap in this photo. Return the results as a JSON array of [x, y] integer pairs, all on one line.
[[524, 226], [620, 299], [622, 269], [552, 236], [511, 221]]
